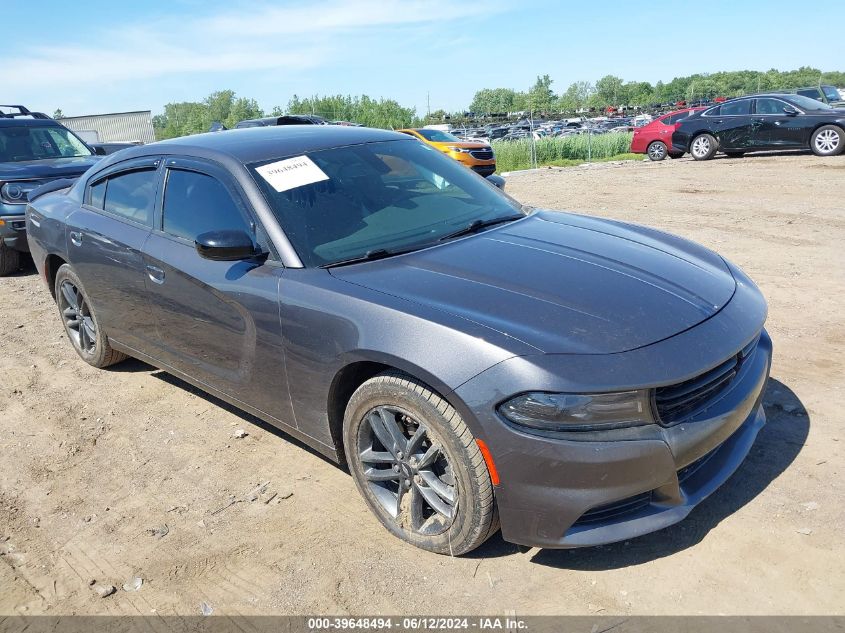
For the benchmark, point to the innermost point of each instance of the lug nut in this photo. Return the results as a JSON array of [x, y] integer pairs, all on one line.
[[399, 455], [396, 468]]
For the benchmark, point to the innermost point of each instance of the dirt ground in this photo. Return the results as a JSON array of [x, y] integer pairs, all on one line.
[[110, 475]]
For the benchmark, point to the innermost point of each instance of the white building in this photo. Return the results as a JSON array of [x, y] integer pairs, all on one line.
[[118, 127]]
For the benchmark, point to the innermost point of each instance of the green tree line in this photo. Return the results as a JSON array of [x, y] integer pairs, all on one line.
[[614, 91]]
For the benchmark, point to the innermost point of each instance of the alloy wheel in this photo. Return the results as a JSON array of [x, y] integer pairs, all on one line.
[[79, 323], [827, 141], [407, 471], [701, 146], [657, 151]]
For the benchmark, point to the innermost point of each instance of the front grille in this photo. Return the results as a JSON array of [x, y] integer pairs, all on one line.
[[611, 510], [677, 403], [484, 170], [482, 154]]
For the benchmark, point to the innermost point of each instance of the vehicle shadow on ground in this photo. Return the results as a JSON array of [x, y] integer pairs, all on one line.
[[776, 447], [785, 152], [132, 365]]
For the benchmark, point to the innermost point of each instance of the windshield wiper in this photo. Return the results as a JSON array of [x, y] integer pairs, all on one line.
[[477, 225], [379, 253]]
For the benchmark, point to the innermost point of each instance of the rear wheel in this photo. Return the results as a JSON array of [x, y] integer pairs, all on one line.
[[703, 147], [80, 322], [828, 140], [417, 465], [10, 259], [657, 150]]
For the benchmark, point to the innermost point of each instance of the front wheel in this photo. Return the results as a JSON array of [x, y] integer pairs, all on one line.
[[703, 147], [418, 466], [81, 325], [828, 140], [10, 259], [657, 150]]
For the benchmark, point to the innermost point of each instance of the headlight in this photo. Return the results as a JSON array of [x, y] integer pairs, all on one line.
[[460, 150], [578, 412], [17, 192]]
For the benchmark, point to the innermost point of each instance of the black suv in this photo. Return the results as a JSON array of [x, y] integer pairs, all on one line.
[[34, 149]]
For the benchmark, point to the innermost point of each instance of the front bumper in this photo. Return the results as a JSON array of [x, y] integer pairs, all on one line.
[[560, 493], [13, 232]]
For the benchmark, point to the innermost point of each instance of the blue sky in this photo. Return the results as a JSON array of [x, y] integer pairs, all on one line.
[[96, 56]]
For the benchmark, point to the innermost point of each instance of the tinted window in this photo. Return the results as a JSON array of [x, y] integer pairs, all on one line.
[[770, 106], [195, 203], [131, 195], [736, 107], [713, 111], [812, 93], [98, 194], [831, 93]]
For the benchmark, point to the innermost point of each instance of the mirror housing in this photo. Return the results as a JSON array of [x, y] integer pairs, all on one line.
[[497, 180], [225, 246], [790, 111]]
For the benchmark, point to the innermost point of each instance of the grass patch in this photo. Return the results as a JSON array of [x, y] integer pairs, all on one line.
[[562, 151]]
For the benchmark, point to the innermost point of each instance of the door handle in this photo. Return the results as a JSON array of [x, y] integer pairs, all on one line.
[[76, 238], [155, 274]]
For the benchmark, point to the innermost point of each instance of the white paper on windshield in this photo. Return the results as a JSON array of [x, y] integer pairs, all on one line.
[[291, 173]]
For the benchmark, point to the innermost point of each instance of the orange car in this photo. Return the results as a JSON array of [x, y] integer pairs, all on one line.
[[475, 155]]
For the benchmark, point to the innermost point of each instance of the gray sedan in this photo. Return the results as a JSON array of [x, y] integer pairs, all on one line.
[[476, 364]]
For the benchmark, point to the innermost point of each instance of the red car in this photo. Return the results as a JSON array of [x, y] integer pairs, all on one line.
[[655, 139]]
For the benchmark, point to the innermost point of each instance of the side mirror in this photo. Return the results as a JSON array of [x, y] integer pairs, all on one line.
[[790, 111], [496, 180], [226, 246]]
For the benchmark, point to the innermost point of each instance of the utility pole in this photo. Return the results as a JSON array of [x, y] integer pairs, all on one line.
[[428, 104]]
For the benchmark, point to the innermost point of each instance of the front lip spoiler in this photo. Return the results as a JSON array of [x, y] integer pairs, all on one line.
[[719, 467]]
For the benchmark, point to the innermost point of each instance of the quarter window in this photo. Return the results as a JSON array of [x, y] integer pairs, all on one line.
[[736, 107], [196, 203]]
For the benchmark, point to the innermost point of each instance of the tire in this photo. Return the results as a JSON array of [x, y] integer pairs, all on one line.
[[10, 260], [676, 154], [734, 154], [80, 322], [828, 140], [657, 150], [703, 147], [431, 486]]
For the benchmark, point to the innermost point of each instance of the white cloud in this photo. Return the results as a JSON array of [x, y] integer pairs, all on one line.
[[266, 37]]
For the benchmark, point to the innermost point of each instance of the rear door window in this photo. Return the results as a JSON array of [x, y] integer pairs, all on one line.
[[736, 108], [128, 194], [131, 195]]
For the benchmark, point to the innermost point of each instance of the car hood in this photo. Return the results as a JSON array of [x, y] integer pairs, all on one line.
[[464, 144], [47, 169], [562, 283]]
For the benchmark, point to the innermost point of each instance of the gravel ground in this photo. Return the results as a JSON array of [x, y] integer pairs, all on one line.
[[107, 476]]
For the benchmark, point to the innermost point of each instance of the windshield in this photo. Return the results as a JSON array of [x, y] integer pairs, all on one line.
[[831, 93], [437, 136], [806, 103], [24, 143], [343, 203]]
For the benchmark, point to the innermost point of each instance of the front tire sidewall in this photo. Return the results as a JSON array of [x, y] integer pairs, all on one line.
[[839, 147], [472, 522]]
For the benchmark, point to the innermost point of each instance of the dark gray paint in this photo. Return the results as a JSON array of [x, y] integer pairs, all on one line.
[[554, 302]]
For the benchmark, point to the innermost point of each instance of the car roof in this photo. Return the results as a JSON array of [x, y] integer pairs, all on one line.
[[24, 122], [250, 145]]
